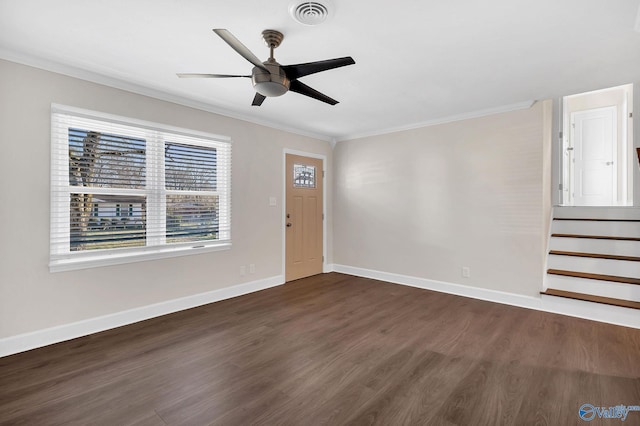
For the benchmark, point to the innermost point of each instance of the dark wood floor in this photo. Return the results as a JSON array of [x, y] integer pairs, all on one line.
[[331, 349]]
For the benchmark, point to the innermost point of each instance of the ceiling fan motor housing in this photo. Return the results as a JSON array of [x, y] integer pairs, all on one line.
[[271, 84]]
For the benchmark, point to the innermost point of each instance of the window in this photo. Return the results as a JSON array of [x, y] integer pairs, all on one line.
[[304, 176], [125, 190]]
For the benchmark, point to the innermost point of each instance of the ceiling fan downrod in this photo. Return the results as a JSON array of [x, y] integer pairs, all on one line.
[[273, 39]]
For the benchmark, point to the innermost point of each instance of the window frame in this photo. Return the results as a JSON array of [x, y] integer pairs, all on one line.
[[156, 135]]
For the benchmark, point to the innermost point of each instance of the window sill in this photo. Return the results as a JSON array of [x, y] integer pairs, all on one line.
[[86, 262]]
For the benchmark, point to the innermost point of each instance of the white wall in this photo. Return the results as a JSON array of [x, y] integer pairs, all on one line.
[[32, 298], [428, 201]]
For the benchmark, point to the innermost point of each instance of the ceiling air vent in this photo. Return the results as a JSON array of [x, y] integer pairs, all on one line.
[[309, 12]]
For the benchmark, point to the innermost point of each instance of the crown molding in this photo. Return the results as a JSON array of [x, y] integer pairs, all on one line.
[[116, 83], [452, 118]]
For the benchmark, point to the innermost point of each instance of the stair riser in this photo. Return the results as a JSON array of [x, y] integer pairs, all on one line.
[[612, 229], [622, 268], [597, 212], [588, 245], [595, 287]]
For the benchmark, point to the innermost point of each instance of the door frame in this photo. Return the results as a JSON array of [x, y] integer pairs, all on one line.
[[570, 165], [627, 178], [322, 157]]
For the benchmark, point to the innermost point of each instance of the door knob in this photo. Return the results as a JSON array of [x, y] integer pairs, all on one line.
[[288, 224], [608, 163]]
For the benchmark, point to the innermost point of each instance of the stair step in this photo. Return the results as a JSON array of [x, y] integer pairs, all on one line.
[[613, 228], [618, 290], [595, 255], [596, 237], [589, 212], [594, 265], [592, 298], [601, 246], [601, 277]]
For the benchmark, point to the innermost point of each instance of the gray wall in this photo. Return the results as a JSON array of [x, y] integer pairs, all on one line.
[[428, 201]]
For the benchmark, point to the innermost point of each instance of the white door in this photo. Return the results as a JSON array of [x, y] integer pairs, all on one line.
[[594, 153]]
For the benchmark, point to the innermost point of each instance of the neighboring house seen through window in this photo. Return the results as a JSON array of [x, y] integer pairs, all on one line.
[[125, 190]]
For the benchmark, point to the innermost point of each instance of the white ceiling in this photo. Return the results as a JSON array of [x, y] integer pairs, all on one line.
[[417, 61]]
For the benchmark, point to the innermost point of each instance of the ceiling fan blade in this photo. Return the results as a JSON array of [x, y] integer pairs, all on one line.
[[258, 99], [243, 50], [196, 75], [300, 70], [303, 89]]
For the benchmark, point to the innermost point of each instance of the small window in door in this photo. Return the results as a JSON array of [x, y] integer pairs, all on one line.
[[304, 176]]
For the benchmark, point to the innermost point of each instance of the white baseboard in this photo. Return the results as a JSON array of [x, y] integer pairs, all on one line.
[[575, 308], [592, 311], [24, 342], [444, 287], [327, 267]]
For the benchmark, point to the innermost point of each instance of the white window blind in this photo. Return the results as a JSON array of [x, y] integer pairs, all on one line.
[[124, 190]]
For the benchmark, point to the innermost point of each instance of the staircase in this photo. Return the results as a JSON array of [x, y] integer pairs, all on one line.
[[594, 255]]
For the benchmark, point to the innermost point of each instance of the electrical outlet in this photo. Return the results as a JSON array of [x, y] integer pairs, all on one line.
[[243, 270], [466, 272], [252, 268]]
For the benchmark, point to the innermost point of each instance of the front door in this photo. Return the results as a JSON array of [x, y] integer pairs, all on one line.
[[303, 249], [594, 167]]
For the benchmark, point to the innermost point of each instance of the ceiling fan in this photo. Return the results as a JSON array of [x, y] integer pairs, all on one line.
[[271, 79]]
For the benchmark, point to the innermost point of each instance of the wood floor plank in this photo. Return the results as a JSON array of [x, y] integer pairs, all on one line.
[[330, 349], [424, 382], [548, 395], [472, 403]]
